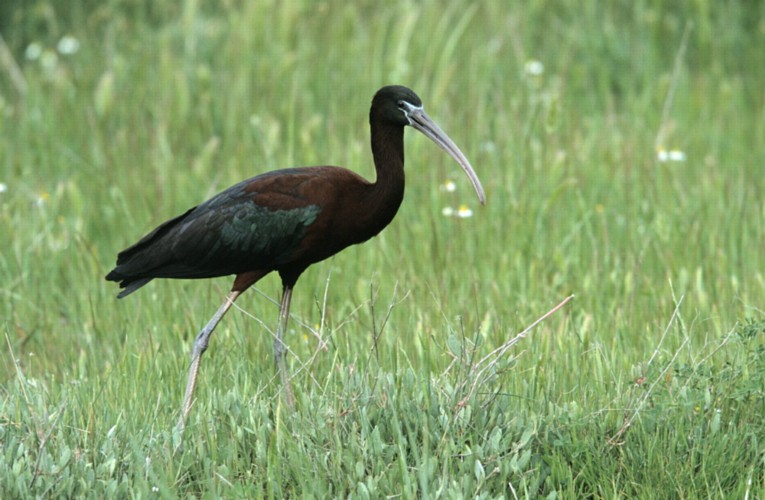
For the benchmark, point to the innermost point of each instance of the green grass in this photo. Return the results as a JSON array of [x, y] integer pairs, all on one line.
[[650, 383]]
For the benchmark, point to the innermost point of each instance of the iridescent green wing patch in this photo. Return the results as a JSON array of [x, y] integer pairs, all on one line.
[[258, 230]]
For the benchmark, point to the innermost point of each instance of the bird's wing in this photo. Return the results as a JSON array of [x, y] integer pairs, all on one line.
[[256, 224]]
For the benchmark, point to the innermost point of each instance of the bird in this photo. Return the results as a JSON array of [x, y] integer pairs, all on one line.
[[284, 221]]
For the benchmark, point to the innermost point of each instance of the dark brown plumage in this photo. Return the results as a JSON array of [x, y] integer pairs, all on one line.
[[284, 221]]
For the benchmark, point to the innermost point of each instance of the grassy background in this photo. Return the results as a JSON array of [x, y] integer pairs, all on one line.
[[649, 383]]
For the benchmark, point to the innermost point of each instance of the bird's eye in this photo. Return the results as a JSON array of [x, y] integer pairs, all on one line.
[[401, 105]]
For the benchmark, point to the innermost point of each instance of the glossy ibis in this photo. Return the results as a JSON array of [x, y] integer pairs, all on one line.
[[284, 221]]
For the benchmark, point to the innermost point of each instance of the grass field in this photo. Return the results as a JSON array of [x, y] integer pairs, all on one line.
[[621, 147]]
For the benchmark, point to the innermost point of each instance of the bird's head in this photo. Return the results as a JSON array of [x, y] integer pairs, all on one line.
[[399, 105], [392, 104]]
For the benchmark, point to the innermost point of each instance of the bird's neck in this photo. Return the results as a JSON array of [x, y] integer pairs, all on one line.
[[387, 192]]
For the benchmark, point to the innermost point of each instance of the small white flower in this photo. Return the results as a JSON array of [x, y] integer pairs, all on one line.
[[672, 155], [447, 211], [464, 212], [449, 186], [676, 155], [3, 187], [68, 45], [33, 51], [42, 198], [534, 67]]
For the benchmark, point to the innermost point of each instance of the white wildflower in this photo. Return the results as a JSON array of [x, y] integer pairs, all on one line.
[[464, 212], [33, 51], [672, 155], [534, 67], [68, 45]]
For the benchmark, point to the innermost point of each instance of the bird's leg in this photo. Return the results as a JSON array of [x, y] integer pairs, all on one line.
[[200, 346], [284, 316]]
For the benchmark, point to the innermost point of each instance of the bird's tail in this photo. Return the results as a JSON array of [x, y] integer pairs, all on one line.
[[130, 285]]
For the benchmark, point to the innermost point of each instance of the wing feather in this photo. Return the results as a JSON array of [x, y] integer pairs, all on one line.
[[255, 224]]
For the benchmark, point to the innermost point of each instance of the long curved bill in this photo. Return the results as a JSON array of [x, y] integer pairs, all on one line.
[[422, 122]]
